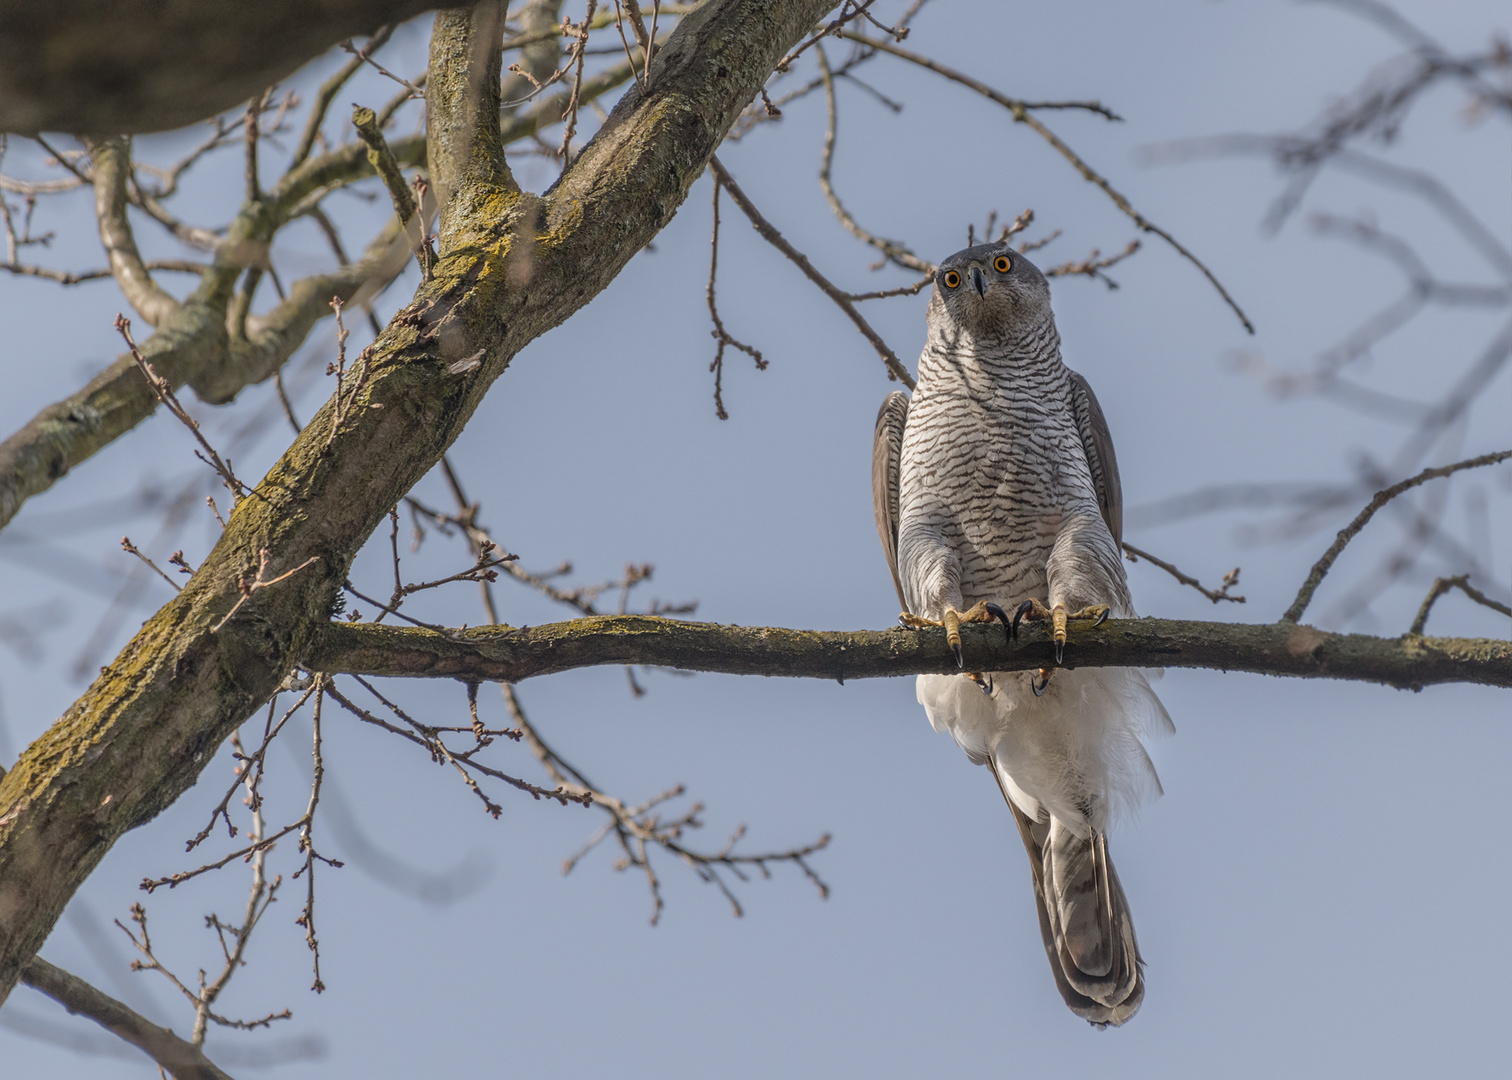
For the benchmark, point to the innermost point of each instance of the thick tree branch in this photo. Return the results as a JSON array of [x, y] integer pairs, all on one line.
[[114, 401], [85, 66], [462, 92], [182, 1060], [111, 161], [504, 654], [153, 718]]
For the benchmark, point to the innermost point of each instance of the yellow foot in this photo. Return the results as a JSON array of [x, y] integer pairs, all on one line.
[[1058, 616], [978, 612]]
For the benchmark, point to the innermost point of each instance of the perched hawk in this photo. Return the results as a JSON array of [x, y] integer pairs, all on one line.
[[995, 484]]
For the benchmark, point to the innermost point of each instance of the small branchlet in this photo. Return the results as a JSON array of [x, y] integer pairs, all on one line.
[[722, 337], [1094, 265], [166, 396], [248, 587], [386, 165], [131, 549], [1230, 579], [1443, 585], [575, 60], [637, 829]]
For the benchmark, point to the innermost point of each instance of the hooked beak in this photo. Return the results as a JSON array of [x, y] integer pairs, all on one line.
[[978, 281]]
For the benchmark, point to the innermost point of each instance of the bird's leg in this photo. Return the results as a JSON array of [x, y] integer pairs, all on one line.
[[1058, 616], [978, 612]]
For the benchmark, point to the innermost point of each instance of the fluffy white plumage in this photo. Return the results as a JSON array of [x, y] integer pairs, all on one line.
[[1075, 752]]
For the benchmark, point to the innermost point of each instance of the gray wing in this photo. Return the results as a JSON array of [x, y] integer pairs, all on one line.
[[1098, 444], [887, 451]]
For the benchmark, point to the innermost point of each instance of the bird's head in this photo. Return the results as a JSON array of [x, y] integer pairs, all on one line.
[[989, 291]]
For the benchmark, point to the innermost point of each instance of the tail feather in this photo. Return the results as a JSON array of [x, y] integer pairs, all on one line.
[[1084, 919]]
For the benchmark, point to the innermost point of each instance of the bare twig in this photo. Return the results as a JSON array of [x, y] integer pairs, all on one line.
[[635, 826], [1443, 585], [254, 110], [895, 368], [70, 277], [248, 588], [165, 395], [901, 290], [365, 56], [722, 336], [1230, 579], [1093, 266], [332, 86], [259, 898], [131, 549], [578, 46], [430, 738], [892, 250], [850, 9], [307, 843], [1350, 531], [250, 771], [1022, 112]]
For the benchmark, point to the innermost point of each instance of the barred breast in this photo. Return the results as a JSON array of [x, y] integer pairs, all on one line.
[[992, 466]]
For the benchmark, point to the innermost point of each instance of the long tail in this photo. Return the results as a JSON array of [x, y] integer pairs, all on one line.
[[1084, 919]]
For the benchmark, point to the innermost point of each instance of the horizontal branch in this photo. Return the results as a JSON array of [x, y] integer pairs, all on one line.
[[506, 654]]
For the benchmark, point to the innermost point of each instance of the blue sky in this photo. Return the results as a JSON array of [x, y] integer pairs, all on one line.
[[1317, 893]]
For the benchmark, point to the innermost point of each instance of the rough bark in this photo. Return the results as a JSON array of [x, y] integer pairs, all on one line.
[[511, 267], [111, 66], [505, 654]]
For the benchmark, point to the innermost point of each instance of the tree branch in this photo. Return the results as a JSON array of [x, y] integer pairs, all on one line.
[[191, 346], [1350, 531], [82, 66], [111, 161], [181, 1059], [505, 654], [1021, 111], [462, 102], [769, 233], [151, 721]]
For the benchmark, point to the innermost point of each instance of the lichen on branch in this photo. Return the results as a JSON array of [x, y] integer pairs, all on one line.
[[507, 654]]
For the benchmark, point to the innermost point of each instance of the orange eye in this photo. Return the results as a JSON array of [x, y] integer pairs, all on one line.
[[1001, 264], [952, 279]]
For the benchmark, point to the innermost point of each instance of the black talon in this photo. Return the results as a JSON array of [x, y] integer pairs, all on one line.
[[1001, 616], [956, 649], [1060, 651], [1039, 690], [1102, 618], [986, 686], [1023, 609]]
